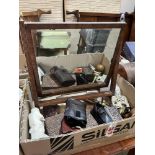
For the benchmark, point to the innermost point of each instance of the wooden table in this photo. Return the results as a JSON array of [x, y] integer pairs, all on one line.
[[113, 149]]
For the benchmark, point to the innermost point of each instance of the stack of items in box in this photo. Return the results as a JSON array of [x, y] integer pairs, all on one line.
[[76, 117], [61, 77]]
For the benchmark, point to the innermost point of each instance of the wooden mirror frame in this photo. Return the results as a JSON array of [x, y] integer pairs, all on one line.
[[26, 29]]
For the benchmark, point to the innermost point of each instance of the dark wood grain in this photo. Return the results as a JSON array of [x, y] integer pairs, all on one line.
[[115, 60], [71, 25], [32, 56], [97, 14], [70, 89], [29, 63], [112, 149], [132, 32], [79, 97]]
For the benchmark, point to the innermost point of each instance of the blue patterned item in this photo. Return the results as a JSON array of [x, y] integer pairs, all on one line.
[[129, 51]]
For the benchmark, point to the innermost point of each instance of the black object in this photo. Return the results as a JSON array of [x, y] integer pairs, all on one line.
[[88, 73], [62, 76], [80, 79], [127, 112], [99, 114], [65, 128], [86, 76], [93, 40], [105, 114], [75, 113]]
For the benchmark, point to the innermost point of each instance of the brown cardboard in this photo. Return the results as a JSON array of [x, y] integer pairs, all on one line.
[[22, 85], [22, 62], [87, 138]]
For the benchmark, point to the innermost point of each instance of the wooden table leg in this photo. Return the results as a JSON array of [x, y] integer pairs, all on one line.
[[131, 151], [65, 51]]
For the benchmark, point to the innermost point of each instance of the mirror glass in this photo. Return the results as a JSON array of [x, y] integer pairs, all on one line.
[[60, 42], [75, 41]]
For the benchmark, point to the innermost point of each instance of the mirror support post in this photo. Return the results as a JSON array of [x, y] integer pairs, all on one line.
[[116, 58], [32, 55], [24, 44]]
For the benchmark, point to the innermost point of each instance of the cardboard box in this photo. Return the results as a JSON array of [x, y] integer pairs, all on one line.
[[85, 139], [22, 62], [22, 86]]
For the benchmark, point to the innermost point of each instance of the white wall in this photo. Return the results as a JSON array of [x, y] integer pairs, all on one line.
[[127, 6]]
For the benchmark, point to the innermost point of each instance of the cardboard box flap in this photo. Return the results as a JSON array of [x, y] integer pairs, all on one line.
[[67, 142], [127, 90], [41, 147]]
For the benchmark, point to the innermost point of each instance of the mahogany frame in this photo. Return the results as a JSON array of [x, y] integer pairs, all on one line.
[[27, 42]]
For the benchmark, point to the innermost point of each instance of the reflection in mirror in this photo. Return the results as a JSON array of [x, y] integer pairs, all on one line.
[[71, 71], [75, 41]]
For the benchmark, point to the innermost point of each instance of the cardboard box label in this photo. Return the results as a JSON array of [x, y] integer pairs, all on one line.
[[68, 142], [101, 132], [110, 130], [60, 144]]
